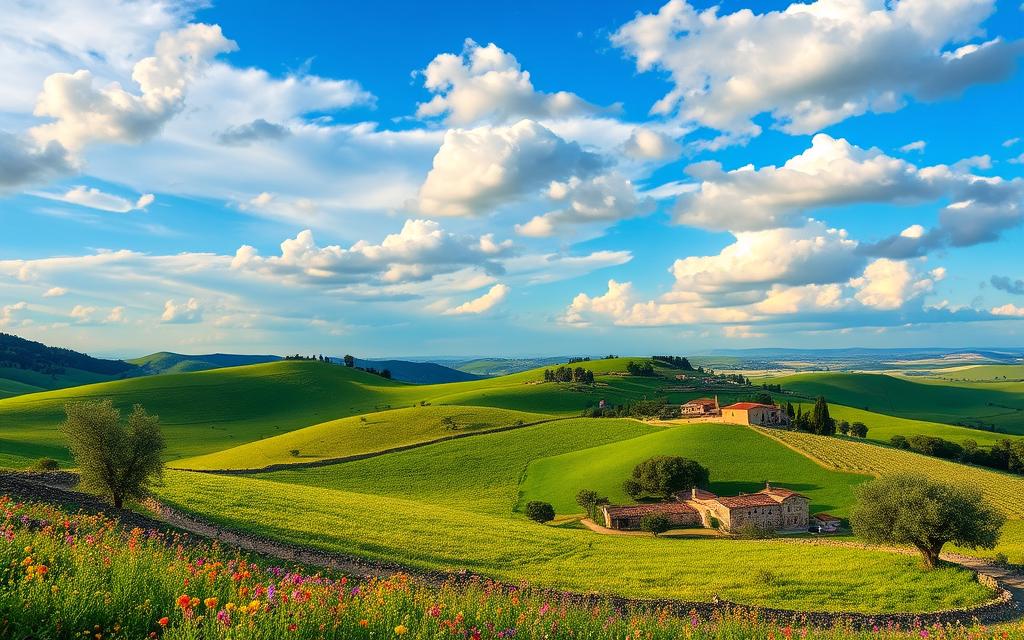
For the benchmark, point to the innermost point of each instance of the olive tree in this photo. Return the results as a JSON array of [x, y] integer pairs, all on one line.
[[664, 475], [910, 509], [116, 459], [540, 511]]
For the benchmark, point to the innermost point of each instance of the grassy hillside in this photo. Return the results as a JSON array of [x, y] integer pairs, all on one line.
[[359, 434], [10, 388], [443, 537], [417, 372], [167, 362], [739, 459], [981, 373], [972, 404], [481, 473]]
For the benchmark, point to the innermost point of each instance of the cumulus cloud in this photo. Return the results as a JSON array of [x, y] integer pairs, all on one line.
[[478, 170], [55, 292], [605, 198], [93, 198], [1009, 310], [1003, 283], [115, 316], [889, 284], [85, 113], [619, 305], [484, 303], [812, 65], [82, 314], [486, 83], [647, 144], [9, 311], [420, 251], [186, 312], [22, 162], [258, 129]]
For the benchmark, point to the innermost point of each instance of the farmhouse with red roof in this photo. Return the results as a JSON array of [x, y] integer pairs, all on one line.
[[767, 415]]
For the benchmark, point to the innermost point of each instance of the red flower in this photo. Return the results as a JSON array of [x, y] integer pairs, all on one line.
[[163, 621]]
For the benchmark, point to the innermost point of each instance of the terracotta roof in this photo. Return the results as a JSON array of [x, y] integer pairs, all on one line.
[[750, 500], [640, 510], [746, 406], [781, 492], [824, 517], [704, 495], [701, 401]]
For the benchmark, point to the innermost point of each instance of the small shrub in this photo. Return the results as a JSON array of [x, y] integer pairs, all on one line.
[[540, 511], [1000, 560], [294, 452], [45, 464], [751, 531], [362, 418], [767, 578], [655, 524]]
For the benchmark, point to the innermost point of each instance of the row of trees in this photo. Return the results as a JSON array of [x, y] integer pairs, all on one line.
[[645, 369], [640, 409], [677, 362], [569, 374], [1005, 455]]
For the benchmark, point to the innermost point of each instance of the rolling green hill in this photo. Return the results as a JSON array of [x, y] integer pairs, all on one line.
[[167, 362], [980, 405], [739, 459]]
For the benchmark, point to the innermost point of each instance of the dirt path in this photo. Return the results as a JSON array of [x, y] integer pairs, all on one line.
[[671, 533]]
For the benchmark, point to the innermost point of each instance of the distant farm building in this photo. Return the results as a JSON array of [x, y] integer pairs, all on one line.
[[754, 413], [771, 509], [825, 523], [629, 517], [701, 407]]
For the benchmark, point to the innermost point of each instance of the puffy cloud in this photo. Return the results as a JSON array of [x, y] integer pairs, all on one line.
[[184, 313], [82, 314], [812, 65], [477, 170], [606, 198], [116, 315], [420, 251], [8, 312], [648, 144], [620, 306], [85, 113], [484, 303], [487, 84], [1009, 310], [917, 145], [55, 292], [889, 284], [22, 162], [811, 297], [1004, 283], [95, 199], [614, 302], [258, 129]]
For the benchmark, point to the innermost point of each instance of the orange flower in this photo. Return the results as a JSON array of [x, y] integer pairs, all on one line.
[[163, 621], [211, 603], [184, 601], [364, 623]]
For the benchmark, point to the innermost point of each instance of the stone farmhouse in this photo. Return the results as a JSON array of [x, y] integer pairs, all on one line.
[[772, 509], [754, 413], [700, 407]]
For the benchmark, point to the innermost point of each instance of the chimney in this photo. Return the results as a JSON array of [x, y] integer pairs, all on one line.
[[767, 485], [693, 493]]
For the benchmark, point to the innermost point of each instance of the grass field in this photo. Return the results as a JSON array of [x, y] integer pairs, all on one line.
[[743, 465], [976, 404], [360, 434], [439, 537], [980, 373]]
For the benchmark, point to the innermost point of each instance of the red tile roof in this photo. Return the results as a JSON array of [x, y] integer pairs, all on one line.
[[750, 500], [701, 401], [782, 492], [640, 510], [824, 517], [746, 406]]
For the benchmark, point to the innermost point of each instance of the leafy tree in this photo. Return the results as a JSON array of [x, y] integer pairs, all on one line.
[[590, 501], [655, 524], [664, 475], [859, 430], [385, 373], [911, 509], [633, 488], [790, 412], [540, 511], [349, 360], [118, 460], [900, 442], [45, 464], [763, 398], [844, 427]]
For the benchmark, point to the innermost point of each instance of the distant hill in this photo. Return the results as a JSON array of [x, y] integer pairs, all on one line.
[[502, 366], [167, 362], [418, 372], [27, 366]]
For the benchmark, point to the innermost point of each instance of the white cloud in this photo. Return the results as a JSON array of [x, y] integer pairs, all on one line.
[[648, 144], [478, 170], [84, 113], [487, 84], [811, 297], [606, 198], [889, 284], [55, 292], [1010, 142], [814, 64], [116, 315], [741, 332], [420, 251], [9, 311], [619, 305], [81, 313], [917, 145], [93, 198], [186, 312], [1009, 310], [1017, 160], [484, 303]]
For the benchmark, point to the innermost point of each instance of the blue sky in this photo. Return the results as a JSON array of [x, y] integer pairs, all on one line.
[[565, 177]]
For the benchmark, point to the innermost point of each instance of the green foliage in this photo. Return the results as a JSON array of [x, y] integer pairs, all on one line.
[[540, 511], [655, 524], [751, 531], [633, 488], [913, 510], [821, 422], [45, 464], [664, 475], [590, 501], [859, 430], [115, 460]]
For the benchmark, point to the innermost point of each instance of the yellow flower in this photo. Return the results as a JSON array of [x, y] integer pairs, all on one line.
[[211, 603], [400, 630], [230, 606]]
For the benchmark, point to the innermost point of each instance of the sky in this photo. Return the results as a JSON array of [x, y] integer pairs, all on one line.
[[461, 178]]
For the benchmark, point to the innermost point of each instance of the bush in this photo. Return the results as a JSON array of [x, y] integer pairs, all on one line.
[[900, 442], [751, 531], [767, 578], [859, 430], [1000, 560], [540, 511], [633, 488], [294, 452], [655, 524], [45, 464]]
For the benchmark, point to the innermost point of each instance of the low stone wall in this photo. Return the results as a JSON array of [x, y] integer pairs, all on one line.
[[50, 488]]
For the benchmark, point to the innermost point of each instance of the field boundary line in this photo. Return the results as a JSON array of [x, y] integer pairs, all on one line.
[[326, 462], [813, 458]]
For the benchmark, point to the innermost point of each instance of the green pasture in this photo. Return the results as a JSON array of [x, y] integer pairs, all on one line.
[[738, 458], [434, 536]]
